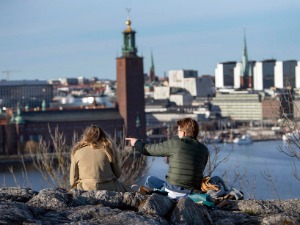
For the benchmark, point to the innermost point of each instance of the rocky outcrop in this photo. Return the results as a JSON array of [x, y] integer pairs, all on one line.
[[55, 206]]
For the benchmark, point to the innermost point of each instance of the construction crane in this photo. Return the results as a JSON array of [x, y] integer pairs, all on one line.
[[7, 72]]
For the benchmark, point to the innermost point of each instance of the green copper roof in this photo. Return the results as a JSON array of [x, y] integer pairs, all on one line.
[[129, 48]]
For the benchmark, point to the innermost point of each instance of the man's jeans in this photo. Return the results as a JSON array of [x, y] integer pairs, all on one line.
[[174, 191], [154, 182]]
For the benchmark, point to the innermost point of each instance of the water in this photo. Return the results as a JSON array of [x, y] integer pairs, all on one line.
[[268, 173], [251, 160], [29, 177]]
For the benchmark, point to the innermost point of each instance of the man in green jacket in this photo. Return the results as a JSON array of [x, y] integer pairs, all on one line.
[[187, 159]]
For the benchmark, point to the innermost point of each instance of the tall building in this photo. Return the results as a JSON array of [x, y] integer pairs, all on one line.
[[264, 74], [130, 86], [224, 74], [257, 75], [285, 73]]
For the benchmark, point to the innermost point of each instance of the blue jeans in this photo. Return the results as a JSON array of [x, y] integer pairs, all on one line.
[[154, 182]]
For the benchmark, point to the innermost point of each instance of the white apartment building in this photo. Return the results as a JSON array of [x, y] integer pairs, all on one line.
[[189, 80], [219, 76], [176, 77], [285, 73], [266, 74], [190, 84], [258, 76], [224, 74], [181, 99], [298, 75], [161, 92], [237, 75], [200, 86]]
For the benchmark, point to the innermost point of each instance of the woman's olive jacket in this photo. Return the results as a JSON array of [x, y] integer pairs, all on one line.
[[187, 159]]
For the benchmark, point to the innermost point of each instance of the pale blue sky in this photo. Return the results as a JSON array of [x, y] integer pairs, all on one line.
[[49, 39]]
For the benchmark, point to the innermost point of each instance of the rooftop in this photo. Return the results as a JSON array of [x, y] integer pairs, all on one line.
[[71, 115], [22, 82]]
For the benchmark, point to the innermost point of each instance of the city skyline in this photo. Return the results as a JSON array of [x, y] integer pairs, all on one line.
[[50, 39]]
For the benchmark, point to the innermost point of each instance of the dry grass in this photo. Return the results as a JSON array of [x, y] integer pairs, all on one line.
[[54, 166]]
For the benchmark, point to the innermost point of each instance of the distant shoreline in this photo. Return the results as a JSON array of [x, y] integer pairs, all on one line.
[[27, 158]]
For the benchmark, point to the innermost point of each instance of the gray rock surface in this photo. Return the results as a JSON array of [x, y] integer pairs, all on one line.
[[187, 212], [56, 206]]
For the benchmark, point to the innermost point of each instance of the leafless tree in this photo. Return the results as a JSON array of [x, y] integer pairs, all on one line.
[[215, 159], [287, 117]]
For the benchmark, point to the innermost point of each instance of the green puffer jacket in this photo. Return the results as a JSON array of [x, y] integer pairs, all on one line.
[[187, 159]]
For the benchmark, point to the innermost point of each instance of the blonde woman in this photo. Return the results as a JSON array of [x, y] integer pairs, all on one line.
[[94, 162]]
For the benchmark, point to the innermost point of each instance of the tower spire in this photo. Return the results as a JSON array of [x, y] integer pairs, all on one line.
[[246, 78], [245, 58], [128, 21], [152, 69]]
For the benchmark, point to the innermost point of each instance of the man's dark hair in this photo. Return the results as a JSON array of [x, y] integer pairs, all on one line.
[[190, 126]]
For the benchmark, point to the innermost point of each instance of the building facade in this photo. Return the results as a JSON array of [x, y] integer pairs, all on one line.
[[285, 74], [25, 93], [263, 75], [161, 92], [21, 129], [181, 99], [224, 74], [177, 77], [239, 105], [200, 86], [270, 109], [189, 81]]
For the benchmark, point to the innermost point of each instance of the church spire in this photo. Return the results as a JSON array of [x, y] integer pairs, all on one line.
[[152, 69], [246, 75], [245, 64]]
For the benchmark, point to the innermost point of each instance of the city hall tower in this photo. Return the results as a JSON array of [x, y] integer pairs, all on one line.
[[130, 86]]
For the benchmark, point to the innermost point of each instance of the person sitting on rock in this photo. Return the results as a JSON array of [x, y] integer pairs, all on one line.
[[187, 158], [94, 162]]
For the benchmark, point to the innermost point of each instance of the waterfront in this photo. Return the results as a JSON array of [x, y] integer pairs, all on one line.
[[253, 160]]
